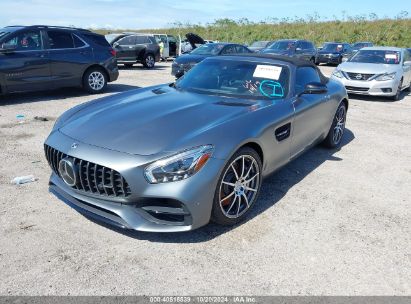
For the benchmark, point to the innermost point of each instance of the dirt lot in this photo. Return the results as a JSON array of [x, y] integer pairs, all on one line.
[[330, 223]]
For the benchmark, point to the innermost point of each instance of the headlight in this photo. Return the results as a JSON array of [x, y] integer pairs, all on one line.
[[337, 73], [383, 77], [179, 166]]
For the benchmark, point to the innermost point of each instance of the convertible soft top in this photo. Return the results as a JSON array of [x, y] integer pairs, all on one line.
[[290, 60]]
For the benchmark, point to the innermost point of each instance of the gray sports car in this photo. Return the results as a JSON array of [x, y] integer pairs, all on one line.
[[171, 157]]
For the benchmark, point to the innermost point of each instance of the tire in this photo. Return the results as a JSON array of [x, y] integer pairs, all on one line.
[[336, 132], [149, 61], [95, 80], [316, 61], [409, 87], [312, 60], [233, 184], [397, 96], [128, 65]]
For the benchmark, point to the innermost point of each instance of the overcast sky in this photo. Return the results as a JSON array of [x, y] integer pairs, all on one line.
[[140, 14]]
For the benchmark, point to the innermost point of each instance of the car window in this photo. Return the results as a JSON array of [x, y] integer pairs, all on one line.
[[230, 49], [26, 41], [305, 75], [60, 40], [129, 40], [244, 79], [310, 46], [78, 42], [241, 49], [97, 39], [172, 39], [141, 40], [407, 56]]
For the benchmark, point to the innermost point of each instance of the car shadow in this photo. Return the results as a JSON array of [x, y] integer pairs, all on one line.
[[29, 97], [378, 98], [273, 189]]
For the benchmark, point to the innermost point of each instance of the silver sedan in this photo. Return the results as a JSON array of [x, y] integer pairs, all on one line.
[[377, 71]]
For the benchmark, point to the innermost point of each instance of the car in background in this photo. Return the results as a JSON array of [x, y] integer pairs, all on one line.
[[333, 53], [43, 57], [170, 45], [172, 157], [185, 62], [376, 71], [359, 45], [132, 48], [301, 49], [257, 46]]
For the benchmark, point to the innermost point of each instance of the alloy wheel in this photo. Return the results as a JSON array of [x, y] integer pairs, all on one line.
[[239, 186], [150, 61], [339, 127], [96, 80]]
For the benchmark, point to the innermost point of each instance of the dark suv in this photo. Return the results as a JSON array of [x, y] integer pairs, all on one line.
[[47, 57], [333, 53], [301, 49], [135, 48]]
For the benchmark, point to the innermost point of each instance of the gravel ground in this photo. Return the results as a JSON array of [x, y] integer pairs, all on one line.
[[329, 223]]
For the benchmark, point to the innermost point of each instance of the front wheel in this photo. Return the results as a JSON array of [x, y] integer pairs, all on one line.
[[237, 188], [397, 95], [336, 132], [94, 81], [149, 61]]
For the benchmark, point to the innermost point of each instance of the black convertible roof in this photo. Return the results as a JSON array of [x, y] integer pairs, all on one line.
[[294, 61]]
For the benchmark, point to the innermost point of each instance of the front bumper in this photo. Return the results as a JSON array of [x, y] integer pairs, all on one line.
[[328, 59], [169, 207], [372, 88]]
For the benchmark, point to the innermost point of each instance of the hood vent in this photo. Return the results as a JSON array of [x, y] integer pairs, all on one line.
[[233, 104]]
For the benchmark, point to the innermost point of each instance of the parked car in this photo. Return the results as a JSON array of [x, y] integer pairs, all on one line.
[[257, 46], [135, 48], [185, 62], [333, 53], [301, 49], [378, 71], [359, 45], [36, 58], [175, 156]]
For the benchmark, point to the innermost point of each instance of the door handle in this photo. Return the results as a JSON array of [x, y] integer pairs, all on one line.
[[283, 132]]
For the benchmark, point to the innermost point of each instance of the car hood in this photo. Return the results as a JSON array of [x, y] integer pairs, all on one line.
[[278, 52], [368, 68], [151, 121], [190, 58]]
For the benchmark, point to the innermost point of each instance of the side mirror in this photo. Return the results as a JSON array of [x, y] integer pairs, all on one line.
[[298, 49], [115, 44], [315, 88], [8, 48], [179, 74]]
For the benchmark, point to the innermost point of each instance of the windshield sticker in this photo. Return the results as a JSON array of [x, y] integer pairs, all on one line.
[[391, 56], [267, 72], [271, 89]]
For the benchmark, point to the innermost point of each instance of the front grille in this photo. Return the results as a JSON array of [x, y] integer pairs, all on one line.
[[358, 89], [92, 178], [359, 76]]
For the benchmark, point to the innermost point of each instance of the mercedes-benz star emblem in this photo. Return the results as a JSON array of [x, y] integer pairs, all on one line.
[[358, 76], [68, 171], [74, 145]]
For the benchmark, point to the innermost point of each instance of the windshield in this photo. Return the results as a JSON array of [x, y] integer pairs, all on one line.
[[377, 56], [283, 45], [208, 49], [333, 47], [237, 79], [259, 44]]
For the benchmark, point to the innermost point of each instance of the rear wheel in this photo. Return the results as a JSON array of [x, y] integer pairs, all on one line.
[[95, 80], [336, 132], [149, 61], [237, 188]]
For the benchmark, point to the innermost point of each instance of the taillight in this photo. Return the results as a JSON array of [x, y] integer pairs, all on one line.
[[113, 52]]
